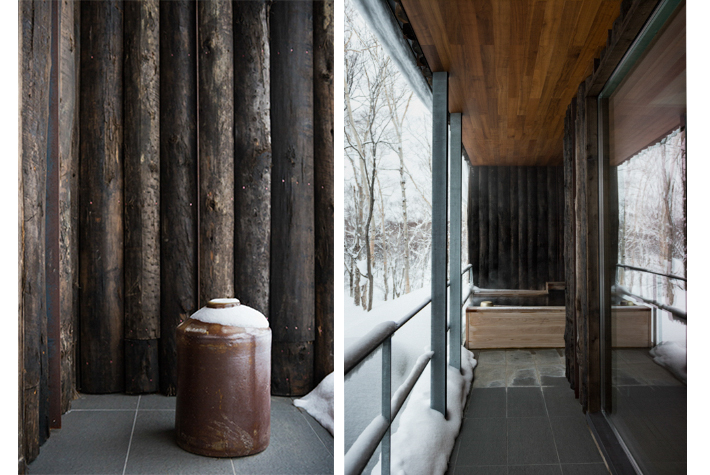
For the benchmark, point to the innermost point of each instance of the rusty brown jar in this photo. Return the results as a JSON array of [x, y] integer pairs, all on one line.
[[223, 406]]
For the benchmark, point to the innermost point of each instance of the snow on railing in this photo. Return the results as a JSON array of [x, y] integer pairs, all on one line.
[[379, 429]]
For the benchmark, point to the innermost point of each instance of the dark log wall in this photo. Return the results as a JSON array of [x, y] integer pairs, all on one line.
[[35, 63], [165, 123], [323, 103], [68, 191], [292, 290], [101, 198], [583, 330], [252, 154], [141, 156], [515, 222], [216, 149], [178, 179]]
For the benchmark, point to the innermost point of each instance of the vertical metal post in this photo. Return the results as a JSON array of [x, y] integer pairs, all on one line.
[[455, 244], [386, 402], [439, 186]]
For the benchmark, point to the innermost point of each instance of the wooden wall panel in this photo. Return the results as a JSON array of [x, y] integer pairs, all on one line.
[[101, 198], [292, 298], [141, 155], [513, 224], [323, 104], [35, 62]]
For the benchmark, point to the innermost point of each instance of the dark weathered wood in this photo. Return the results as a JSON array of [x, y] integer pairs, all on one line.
[[523, 217], [178, 179], [141, 366], [216, 149], [292, 296], [626, 27], [494, 281], [101, 198], [35, 61], [503, 199], [69, 196], [483, 216], [542, 262], [474, 225], [569, 244], [530, 237], [551, 225], [514, 236], [323, 103], [592, 250], [51, 388], [141, 164], [580, 248], [252, 155]]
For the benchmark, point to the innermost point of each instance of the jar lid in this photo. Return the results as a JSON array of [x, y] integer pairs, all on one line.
[[230, 312]]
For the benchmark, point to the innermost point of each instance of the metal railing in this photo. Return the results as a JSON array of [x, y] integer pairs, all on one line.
[[623, 291], [378, 430]]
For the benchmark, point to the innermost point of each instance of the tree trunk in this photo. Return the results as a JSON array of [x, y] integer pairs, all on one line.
[[101, 198], [323, 103], [35, 68], [141, 155], [216, 150], [292, 292], [252, 142], [178, 179]]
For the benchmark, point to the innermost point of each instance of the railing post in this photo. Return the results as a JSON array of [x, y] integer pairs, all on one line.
[[440, 103], [455, 244], [386, 402]]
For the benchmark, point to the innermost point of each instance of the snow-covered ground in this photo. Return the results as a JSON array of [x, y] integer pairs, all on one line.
[[413, 450]]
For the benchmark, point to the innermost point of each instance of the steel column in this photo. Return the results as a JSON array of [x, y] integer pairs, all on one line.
[[455, 244], [386, 403], [439, 188]]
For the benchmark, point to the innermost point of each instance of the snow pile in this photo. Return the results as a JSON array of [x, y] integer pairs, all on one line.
[[424, 441], [382, 23], [235, 316], [319, 403], [673, 357]]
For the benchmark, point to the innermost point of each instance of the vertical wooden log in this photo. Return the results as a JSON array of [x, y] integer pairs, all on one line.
[[592, 250], [523, 218], [178, 179], [69, 195], [569, 247], [50, 390], [531, 228], [503, 199], [514, 216], [216, 149], [323, 103], [493, 236], [141, 155], [483, 219], [541, 231], [580, 245], [610, 214], [292, 298], [252, 157], [101, 198], [35, 68], [552, 200], [474, 223]]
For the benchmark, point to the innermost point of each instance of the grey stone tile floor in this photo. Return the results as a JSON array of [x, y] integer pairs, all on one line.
[[522, 418], [121, 434]]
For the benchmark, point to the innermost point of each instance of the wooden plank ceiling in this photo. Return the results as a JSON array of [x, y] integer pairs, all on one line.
[[514, 66]]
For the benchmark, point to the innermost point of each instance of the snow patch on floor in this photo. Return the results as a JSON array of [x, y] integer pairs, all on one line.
[[319, 403], [673, 357]]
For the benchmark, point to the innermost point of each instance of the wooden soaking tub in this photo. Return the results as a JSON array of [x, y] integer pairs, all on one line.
[[544, 327]]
